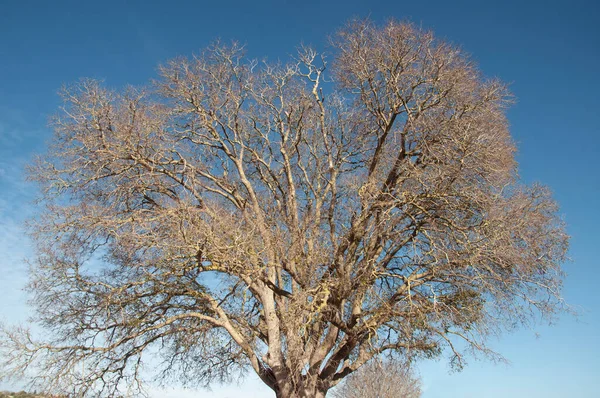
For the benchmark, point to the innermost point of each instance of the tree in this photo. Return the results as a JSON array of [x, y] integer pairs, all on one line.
[[295, 219], [380, 379]]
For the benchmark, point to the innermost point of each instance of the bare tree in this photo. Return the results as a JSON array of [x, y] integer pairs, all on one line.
[[295, 219], [380, 379]]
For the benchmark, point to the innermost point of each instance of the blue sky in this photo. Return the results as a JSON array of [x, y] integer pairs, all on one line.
[[549, 52]]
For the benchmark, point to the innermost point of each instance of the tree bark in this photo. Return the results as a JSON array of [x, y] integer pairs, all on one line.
[[304, 393], [299, 391]]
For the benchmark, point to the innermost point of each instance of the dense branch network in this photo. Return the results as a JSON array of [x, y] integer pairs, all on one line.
[[298, 219]]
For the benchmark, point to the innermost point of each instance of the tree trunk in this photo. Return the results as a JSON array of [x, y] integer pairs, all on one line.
[[301, 393]]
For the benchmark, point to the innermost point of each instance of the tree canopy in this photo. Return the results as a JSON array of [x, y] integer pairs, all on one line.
[[380, 379], [298, 219]]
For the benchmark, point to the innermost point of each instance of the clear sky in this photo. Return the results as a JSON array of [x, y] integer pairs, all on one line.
[[549, 52]]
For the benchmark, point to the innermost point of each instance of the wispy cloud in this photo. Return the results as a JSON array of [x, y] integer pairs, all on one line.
[[17, 142], [14, 248]]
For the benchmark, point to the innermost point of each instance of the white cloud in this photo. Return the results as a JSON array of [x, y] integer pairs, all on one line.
[[15, 206], [14, 248]]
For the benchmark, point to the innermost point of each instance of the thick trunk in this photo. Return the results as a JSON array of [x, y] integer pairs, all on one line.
[[288, 390], [301, 394], [304, 386]]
